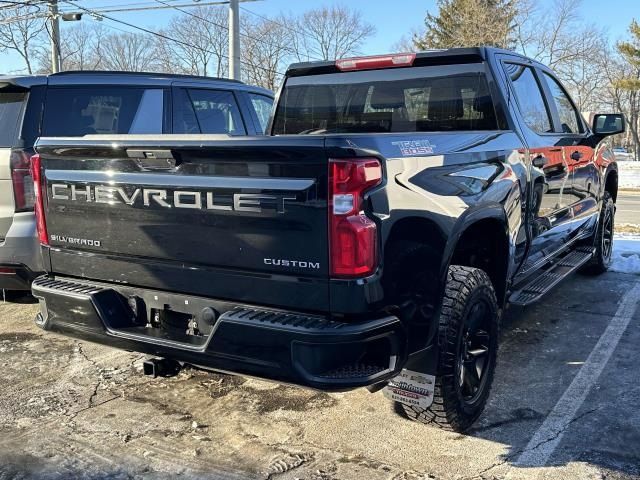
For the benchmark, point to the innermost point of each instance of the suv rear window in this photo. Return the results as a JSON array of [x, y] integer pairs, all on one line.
[[10, 117], [420, 99], [78, 111]]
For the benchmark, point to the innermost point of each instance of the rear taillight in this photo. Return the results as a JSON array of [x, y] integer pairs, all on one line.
[[36, 173], [352, 235], [379, 61], [22, 181]]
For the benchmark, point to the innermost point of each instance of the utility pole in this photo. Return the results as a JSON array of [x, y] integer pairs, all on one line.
[[234, 39], [55, 36]]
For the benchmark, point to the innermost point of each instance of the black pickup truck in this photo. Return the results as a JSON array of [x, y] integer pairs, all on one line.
[[374, 238]]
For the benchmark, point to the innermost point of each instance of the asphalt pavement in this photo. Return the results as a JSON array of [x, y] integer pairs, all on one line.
[[628, 210], [563, 406]]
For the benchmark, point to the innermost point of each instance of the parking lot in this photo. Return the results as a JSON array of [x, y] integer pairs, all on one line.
[[564, 405]]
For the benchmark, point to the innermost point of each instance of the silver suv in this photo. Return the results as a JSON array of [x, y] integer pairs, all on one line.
[[20, 259], [73, 104]]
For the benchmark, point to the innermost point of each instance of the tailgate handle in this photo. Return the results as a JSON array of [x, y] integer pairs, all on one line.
[[153, 159]]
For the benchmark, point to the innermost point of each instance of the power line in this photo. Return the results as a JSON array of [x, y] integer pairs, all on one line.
[[164, 36], [211, 22], [146, 8], [17, 5]]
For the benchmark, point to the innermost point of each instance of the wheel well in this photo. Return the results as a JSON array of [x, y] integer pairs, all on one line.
[[417, 230], [484, 245], [611, 185]]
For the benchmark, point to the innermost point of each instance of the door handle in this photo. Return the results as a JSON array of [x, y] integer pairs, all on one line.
[[153, 159], [540, 161], [576, 156]]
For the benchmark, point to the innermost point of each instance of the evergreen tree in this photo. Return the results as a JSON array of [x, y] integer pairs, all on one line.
[[470, 23], [630, 82]]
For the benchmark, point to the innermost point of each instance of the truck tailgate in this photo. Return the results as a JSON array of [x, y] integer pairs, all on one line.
[[189, 214]]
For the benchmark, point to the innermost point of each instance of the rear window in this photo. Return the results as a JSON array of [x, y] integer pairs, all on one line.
[[78, 111], [420, 99], [10, 117]]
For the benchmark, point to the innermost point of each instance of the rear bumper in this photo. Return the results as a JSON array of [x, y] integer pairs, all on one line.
[[20, 254], [290, 347]]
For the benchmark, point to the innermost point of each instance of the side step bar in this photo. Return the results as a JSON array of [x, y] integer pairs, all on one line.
[[547, 279]]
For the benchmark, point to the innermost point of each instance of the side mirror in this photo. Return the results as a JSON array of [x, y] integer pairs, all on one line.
[[605, 124]]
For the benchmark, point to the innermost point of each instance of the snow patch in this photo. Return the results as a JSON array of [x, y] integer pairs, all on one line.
[[626, 254], [629, 174]]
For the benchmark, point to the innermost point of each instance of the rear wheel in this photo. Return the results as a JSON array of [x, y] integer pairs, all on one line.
[[468, 341], [603, 240]]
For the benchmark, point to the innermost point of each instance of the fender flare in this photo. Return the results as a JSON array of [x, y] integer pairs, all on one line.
[[612, 168], [466, 220]]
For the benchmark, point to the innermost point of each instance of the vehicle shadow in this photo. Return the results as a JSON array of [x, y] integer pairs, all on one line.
[[17, 296]]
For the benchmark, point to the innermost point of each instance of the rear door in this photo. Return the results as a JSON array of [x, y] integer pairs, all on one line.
[[550, 174], [12, 105], [78, 110], [577, 154]]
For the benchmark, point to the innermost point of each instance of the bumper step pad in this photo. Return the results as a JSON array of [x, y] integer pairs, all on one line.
[[293, 347], [543, 282]]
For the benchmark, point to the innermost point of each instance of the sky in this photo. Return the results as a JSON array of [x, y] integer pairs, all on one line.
[[392, 19]]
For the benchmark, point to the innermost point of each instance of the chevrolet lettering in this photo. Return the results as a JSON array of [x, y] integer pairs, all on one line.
[[147, 197]]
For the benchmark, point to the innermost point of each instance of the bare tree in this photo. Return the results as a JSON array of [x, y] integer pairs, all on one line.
[[131, 52], [266, 51], [21, 30], [626, 82], [556, 35], [202, 46], [329, 33], [80, 49]]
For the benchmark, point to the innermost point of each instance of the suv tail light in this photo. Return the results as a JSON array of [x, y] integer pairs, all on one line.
[[22, 181], [352, 235], [36, 174]]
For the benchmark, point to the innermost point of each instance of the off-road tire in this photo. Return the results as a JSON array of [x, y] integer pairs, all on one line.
[[465, 288], [603, 256]]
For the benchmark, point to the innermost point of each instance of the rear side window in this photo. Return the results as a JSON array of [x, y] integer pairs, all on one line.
[[208, 112], [11, 105], [78, 111], [529, 97], [420, 99], [262, 106]]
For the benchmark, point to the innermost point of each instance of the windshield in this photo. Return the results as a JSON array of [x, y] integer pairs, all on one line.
[[419, 99], [10, 117]]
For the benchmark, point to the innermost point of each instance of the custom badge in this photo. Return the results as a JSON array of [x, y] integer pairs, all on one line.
[[415, 147], [411, 388]]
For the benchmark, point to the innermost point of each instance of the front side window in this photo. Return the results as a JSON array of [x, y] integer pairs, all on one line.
[[208, 112], [418, 99], [262, 106], [529, 98], [103, 110], [569, 119], [10, 117]]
